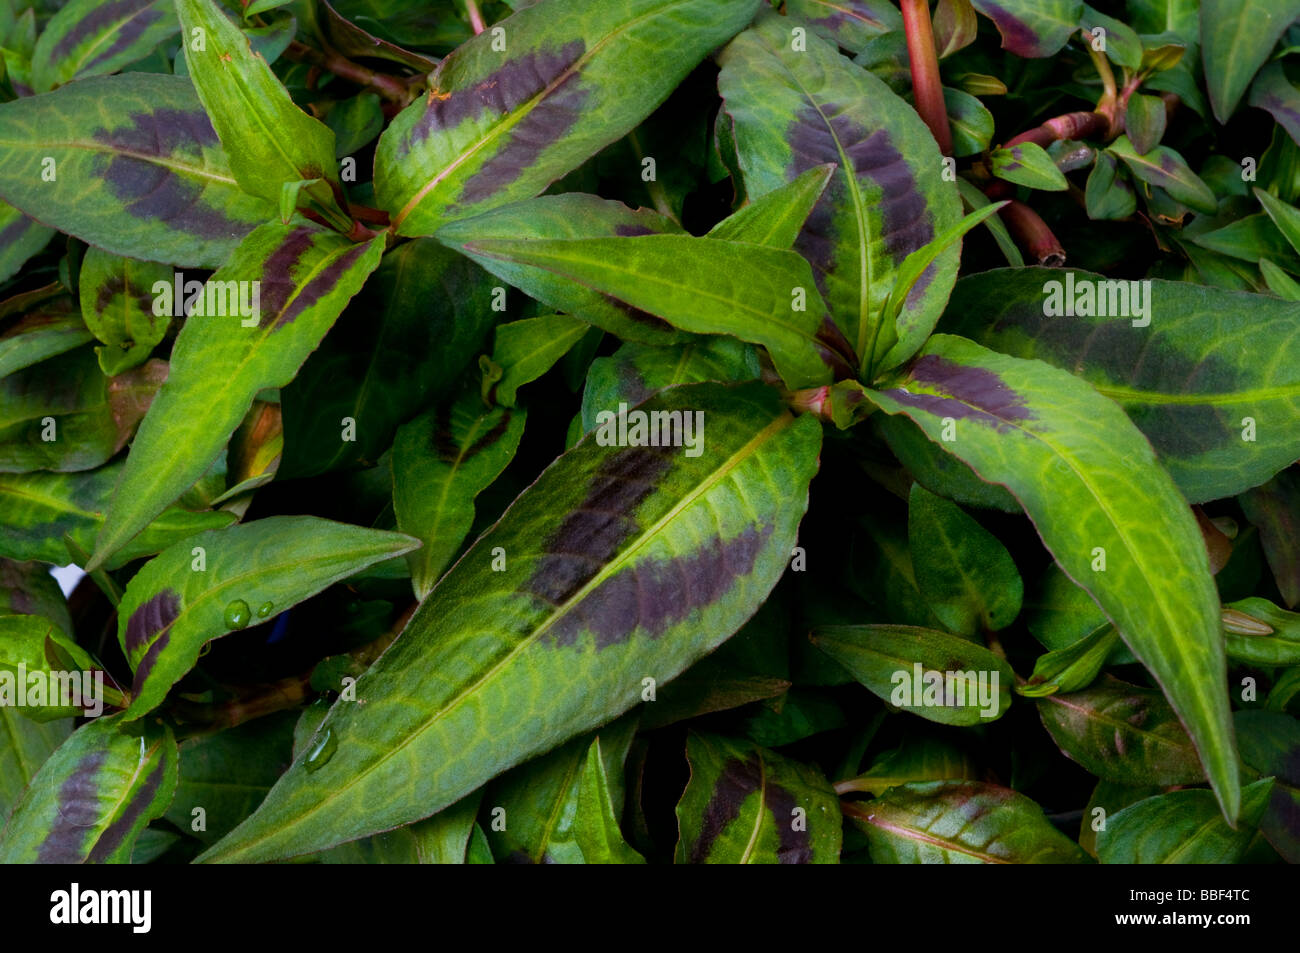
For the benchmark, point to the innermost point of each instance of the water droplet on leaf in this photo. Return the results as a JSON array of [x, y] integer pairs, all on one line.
[[238, 614], [321, 751], [264, 610]]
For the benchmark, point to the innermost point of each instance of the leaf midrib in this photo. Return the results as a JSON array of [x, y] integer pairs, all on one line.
[[617, 563], [525, 109]]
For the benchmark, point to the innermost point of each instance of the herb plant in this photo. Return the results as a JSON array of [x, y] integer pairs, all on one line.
[[558, 431]]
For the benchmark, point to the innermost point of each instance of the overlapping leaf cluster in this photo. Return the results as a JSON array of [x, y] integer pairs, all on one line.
[[324, 328]]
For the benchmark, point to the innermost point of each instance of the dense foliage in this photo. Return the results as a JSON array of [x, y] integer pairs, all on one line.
[[616, 431]]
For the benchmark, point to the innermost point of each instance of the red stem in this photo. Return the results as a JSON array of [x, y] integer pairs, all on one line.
[[1033, 234], [927, 88], [390, 88]]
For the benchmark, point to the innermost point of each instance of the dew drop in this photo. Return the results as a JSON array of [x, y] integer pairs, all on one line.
[[321, 751], [238, 614], [264, 610]]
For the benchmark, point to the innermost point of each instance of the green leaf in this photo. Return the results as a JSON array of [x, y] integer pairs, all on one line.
[[747, 805], [921, 759], [636, 371], [776, 218], [1279, 282], [444, 838], [1182, 827], [1198, 369], [1249, 239], [559, 217], [91, 38], [64, 415], [965, 574], [20, 239], [702, 285], [1286, 217], [221, 360], [540, 799], [1274, 92], [228, 773], [270, 140], [1144, 121], [1074, 667], [971, 123], [463, 695], [223, 580], [1270, 744], [51, 328], [24, 747], [1033, 28], [522, 104], [1073, 460], [1123, 45], [137, 169], [974, 199], [40, 510], [34, 644], [117, 303], [941, 677], [527, 349], [442, 460], [1164, 168], [793, 110], [1108, 195], [1122, 733], [1236, 38], [93, 796], [960, 822], [850, 24], [1028, 164], [596, 829], [27, 588], [1246, 640], [399, 347]]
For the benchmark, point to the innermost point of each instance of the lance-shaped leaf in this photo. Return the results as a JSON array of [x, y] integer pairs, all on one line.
[[171, 609], [136, 169], [1033, 28], [573, 215], [27, 588], [1094, 491], [960, 822], [1182, 827], [52, 326], [657, 559], [1273, 91], [1202, 371], [1236, 38], [270, 140], [24, 746], [941, 677], [400, 346], [1028, 164], [1122, 733], [517, 107], [747, 805], [1074, 667], [117, 303], [525, 350], [93, 37], [850, 24], [597, 831], [541, 798], [40, 510], [921, 759], [792, 110], [445, 838], [964, 572], [702, 285], [65, 415], [20, 239], [775, 219], [1164, 168], [635, 371], [442, 460], [298, 279], [93, 797]]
